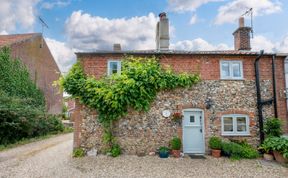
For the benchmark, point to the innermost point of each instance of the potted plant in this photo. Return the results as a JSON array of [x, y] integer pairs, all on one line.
[[267, 152], [279, 146], [176, 116], [163, 152], [215, 143], [175, 146]]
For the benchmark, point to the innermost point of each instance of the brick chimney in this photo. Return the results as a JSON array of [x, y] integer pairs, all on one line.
[[116, 47], [242, 36], [162, 33]]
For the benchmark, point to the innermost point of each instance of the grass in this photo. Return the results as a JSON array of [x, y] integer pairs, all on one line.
[[35, 139]]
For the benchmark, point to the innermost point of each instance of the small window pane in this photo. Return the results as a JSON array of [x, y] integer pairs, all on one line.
[[241, 124], [225, 69], [228, 128], [192, 119], [236, 70], [228, 120], [241, 120]]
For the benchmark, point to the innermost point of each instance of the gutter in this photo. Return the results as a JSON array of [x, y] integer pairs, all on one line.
[[260, 102]]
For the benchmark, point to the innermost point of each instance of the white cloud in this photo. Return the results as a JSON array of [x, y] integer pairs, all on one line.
[[193, 19], [17, 14], [3, 32], [198, 44], [260, 42], [187, 5], [63, 54], [86, 32], [231, 11], [56, 3]]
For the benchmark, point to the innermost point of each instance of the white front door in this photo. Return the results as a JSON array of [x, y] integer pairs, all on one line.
[[193, 132]]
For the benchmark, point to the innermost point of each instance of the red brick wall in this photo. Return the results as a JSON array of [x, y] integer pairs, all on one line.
[[42, 69]]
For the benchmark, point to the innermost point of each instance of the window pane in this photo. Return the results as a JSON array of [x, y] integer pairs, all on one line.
[[241, 124], [113, 67], [236, 69], [225, 69], [228, 128], [241, 120], [228, 120]]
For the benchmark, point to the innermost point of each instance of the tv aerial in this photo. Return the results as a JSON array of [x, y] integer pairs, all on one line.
[[44, 25], [249, 12]]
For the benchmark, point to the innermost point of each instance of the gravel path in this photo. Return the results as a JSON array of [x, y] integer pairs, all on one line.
[[52, 158]]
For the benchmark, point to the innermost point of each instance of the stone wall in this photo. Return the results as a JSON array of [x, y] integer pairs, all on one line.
[[141, 132]]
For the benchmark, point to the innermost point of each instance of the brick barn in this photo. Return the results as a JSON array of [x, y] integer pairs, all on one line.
[[239, 89], [33, 51]]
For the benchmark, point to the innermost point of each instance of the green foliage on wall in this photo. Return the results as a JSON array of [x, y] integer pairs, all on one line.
[[15, 80], [136, 87]]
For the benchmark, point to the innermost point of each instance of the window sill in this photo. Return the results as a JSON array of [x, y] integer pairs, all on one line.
[[235, 134], [232, 79]]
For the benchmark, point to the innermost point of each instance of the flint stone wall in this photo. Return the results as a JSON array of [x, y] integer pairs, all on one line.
[[142, 132]]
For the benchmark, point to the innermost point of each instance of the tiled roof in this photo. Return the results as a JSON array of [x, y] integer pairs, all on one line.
[[6, 40], [179, 52]]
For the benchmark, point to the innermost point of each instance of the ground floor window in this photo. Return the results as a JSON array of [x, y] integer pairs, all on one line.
[[235, 124]]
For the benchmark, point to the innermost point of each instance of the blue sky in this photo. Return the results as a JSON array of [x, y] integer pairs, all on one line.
[[89, 25]]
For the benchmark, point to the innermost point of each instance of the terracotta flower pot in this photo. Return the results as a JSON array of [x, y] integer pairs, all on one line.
[[175, 153], [279, 157], [268, 157], [216, 153]]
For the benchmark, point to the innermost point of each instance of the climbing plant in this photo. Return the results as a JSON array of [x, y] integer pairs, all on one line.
[[111, 96], [15, 80]]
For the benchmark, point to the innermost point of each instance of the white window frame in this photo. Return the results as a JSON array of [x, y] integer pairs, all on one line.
[[231, 77], [118, 66], [234, 124]]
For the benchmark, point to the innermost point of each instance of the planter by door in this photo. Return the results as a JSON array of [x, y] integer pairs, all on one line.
[[193, 131], [279, 157]]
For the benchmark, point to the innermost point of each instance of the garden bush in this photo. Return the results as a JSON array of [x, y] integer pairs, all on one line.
[[279, 144], [20, 120], [238, 151], [272, 127]]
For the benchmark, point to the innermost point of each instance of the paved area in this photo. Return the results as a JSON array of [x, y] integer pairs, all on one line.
[[52, 158]]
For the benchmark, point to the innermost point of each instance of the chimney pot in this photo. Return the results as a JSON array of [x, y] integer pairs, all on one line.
[[116, 47], [162, 32], [241, 22]]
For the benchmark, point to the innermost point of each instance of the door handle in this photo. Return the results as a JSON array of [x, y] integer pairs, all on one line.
[[201, 130]]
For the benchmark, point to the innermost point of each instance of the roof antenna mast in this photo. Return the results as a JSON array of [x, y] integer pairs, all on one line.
[[43, 24], [249, 12]]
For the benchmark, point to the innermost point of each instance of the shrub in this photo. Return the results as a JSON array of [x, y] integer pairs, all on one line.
[[20, 120], [78, 152], [272, 127], [279, 144], [175, 143], [115, 150], [238, 151], [215, 143]]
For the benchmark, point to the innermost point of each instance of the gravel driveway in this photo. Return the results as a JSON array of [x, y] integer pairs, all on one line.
[[52, 158]]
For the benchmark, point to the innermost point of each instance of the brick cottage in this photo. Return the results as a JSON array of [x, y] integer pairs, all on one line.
[[238, 90]]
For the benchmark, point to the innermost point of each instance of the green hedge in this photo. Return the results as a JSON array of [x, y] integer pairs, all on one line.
[[239, 150]]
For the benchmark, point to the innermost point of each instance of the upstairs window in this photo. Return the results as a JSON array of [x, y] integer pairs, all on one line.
[[231, 70], [235, 124], [114, 67]]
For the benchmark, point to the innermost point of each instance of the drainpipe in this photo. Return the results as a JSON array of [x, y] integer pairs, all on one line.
[[286, 78], [274, 87]]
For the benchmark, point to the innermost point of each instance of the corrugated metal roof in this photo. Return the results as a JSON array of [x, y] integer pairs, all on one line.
[[6, 40]]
